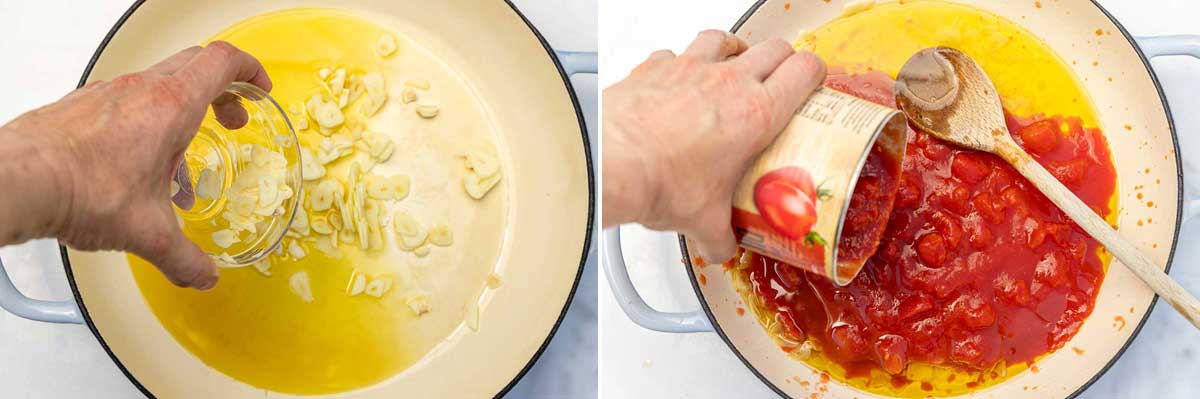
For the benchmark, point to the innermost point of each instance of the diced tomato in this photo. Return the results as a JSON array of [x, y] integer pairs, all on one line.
[[909, 193], [973, 311], [987, 207], [1011, 289], [967, 350], [1069, 172], [979, 235], [789, 276], [848, 338], [969, 167], [931, 247], [1052, 270], [914, 305], [1040, 137], [948, 226], [789, 326], [892, 352]]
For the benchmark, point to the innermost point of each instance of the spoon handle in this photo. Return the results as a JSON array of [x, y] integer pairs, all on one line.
[[1098, 228]]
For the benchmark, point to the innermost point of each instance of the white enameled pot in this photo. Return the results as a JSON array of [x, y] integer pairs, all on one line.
[[1135, 99], [525, 85]]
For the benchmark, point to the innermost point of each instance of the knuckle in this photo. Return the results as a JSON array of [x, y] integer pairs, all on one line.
[[169, 91], [128, 80], [727, 75], [758, 112], [711, 34], [221, 49]]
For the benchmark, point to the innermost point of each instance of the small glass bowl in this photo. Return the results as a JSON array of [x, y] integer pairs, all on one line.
[[210, 199]]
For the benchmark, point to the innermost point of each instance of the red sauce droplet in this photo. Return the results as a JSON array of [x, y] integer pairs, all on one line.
[[787, 6], [703, 279], [699, 262], [926, 386], [1037, 4], [1150, 204], [1077, 350], [1099, 32], [1128, 127], [1119, 323], [741, 311]]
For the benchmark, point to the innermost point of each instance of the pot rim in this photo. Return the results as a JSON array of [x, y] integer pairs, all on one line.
[[587, 235], [687, 259]]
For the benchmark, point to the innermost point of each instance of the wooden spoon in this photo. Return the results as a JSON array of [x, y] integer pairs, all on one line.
[[945, 93]]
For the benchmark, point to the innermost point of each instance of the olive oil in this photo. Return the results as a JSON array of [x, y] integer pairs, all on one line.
[[254, 326]]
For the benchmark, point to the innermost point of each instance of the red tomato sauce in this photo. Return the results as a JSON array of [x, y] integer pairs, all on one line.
[[975, 266], [870, 205]]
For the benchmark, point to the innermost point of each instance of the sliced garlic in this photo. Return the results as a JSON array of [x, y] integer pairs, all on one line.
[[378, 286], [422, 84], [328, 115], [376, 94], [300, 222], [422, 251], [311, 168], [410, 234], [338, 82], [440, 235], [418, 302], [408, 95], [321, 225], [472, 316], [225, 238], [263, 267], [323, 194], [478, 187], [428, 111], [208, 184], [393, 187], [326, 246], [300, 286], [357, 283], [386, 45], [296, 251], [483, 161], [324, 73]]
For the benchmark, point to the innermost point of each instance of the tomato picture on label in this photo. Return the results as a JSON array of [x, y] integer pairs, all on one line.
[[787, 200]]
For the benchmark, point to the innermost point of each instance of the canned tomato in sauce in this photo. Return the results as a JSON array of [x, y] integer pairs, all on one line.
[[819, 196]]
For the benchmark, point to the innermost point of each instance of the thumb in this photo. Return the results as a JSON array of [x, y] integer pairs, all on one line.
[[177, 257], [714, 237]]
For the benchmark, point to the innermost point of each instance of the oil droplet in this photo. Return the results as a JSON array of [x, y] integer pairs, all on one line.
[[787, 6]]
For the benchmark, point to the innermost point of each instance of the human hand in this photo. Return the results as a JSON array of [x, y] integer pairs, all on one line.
[[680, 132], [110, 149]]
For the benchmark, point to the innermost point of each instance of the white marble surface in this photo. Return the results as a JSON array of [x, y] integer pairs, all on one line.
[[1163, 362], [44, 46]]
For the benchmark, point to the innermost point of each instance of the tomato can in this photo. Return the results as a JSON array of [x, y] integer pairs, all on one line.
[[827, 183]]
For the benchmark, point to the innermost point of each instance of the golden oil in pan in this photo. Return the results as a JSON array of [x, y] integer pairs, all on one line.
[[252, 327]]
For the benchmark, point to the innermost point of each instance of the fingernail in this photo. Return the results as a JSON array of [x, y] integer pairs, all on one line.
[[208, 282]]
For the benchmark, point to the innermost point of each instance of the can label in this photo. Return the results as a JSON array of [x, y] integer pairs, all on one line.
[[792, 203]]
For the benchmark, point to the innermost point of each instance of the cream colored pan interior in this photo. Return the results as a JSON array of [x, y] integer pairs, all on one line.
[[543, 150], [1132, 99]]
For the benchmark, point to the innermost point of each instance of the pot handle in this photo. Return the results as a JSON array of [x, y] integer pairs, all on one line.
[[577, 62], [18, 304], [632, 303], [1158, 46]]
